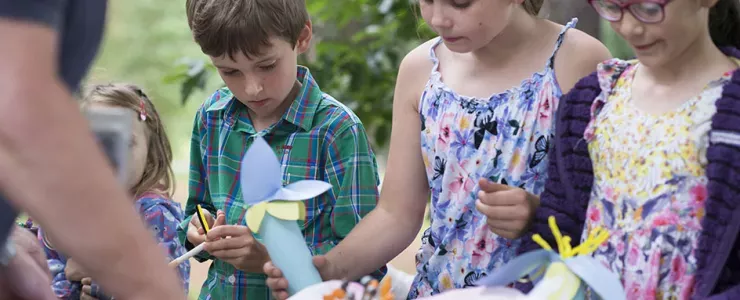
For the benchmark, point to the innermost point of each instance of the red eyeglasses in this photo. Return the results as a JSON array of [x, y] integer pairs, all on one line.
[[646, 11]]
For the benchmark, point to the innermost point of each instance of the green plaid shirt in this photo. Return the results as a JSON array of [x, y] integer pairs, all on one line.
[[317, 138]]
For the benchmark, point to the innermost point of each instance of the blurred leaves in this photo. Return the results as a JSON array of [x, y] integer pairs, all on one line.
[[191, 74]]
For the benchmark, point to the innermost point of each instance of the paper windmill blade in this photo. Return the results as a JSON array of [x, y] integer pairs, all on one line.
[[274, 211], [574, 267]]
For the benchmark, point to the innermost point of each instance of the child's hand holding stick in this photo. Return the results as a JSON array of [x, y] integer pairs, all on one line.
[[197, 231]]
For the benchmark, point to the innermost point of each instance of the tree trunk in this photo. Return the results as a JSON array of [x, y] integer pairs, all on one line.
[[562, 11]]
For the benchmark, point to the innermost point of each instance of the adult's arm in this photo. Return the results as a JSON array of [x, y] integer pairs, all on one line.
[[51, 167]]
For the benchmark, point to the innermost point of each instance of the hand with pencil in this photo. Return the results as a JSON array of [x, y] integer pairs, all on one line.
[[236, 245], [233, 244], [199, 225], [201, 222]]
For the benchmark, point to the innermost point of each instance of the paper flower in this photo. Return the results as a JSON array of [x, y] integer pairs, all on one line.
[[263, 190], [273, 211], [573, 268]]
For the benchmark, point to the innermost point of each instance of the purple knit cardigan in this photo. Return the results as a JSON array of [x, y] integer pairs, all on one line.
[[570, 172]]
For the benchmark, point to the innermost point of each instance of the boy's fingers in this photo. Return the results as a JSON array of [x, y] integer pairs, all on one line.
[[272, 271], [220, 219], [225, 244], [234, 231], [277, 284], [195, 221], [280, 295], [229, 254]]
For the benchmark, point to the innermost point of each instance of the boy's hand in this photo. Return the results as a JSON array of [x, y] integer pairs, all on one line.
[[279, 285], [508, 209], [73, 271], [196, 233], [236, 245]]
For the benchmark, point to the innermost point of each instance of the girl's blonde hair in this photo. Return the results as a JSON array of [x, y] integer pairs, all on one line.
[[158, 176]]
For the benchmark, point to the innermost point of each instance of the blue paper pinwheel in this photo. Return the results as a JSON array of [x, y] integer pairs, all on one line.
[[274, 211], [573, 268]]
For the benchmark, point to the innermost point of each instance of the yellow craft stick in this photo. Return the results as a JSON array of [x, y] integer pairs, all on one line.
[[596, 238], [537, 238], [566, 247], [582, 249], [556, 233], [202, 218]]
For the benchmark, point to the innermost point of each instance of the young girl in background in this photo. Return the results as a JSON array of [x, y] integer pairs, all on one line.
[[473, 136], [656, 158], [150, 181]]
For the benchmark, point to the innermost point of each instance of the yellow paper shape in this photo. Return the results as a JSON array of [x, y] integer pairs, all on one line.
[[287, 210], [284, 210], [255, 214], [571, 282]]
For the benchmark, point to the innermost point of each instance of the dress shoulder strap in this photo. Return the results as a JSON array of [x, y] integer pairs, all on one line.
[[559, 42]]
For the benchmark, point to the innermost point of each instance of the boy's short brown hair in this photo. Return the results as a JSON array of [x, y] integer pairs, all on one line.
[[223, 27]]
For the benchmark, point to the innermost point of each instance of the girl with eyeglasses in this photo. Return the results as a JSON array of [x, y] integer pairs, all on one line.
[[650, 150]]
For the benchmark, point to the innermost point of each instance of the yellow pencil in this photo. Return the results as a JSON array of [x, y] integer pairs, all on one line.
[[202, 218]]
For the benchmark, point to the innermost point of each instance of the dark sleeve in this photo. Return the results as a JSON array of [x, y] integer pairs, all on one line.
[[47, 12], [728, 286], [80, 24], [731, 294]]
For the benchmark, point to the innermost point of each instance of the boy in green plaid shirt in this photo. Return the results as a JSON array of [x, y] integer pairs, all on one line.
[[255, 44]]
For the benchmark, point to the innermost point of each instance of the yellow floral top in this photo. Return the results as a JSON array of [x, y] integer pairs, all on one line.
[[649, 184]]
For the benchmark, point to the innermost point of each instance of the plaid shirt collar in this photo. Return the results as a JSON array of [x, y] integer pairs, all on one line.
[[300, 113]]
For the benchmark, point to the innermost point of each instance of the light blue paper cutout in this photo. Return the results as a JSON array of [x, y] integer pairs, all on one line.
[[592, 274], [516, 268], [261, 181], [265, 182], [596, 276]]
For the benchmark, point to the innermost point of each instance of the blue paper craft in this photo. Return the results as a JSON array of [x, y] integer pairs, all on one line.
[[573, 266], [274, 210]]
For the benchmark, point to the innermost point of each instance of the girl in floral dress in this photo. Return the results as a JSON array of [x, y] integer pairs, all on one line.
[[656, 159], [473, 113]]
